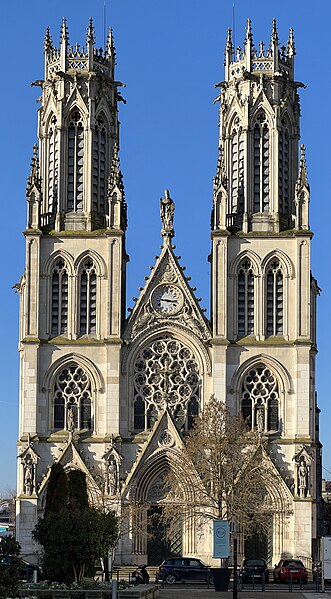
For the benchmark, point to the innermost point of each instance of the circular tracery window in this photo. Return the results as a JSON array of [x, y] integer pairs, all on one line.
[[166, 373]]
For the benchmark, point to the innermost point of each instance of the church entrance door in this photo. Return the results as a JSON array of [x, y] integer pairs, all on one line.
[[159, 547], [259, 545]]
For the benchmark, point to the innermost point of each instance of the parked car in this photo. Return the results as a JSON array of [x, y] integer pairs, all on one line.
[[25, 569], [182, 569], [290, 567], [254, 569]]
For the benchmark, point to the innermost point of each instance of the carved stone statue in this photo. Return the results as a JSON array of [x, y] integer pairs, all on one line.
[[167, 211], [112, 482], [28, 477], [303, 478], [260, 419], [70, 417]]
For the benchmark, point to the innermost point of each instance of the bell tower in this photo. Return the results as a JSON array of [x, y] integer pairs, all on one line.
[[73, 287], [263, 295]]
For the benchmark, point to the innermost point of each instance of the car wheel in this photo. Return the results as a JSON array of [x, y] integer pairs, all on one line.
[[170, 578], [211, 580]]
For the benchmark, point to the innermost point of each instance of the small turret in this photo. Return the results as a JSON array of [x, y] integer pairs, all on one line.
[[302, 194], [33, 192]]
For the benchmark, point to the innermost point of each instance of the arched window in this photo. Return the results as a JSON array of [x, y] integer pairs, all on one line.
[[72, 392], [261, 164], [75, 163], [99, 167], [237, 169], [260, 399], [274, 299], [53, 165], [245, 298], [59, 299], [87, 298], [166, 373], [283, 169]]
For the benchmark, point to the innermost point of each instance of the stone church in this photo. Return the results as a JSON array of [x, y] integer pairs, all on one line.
[[114, 395]]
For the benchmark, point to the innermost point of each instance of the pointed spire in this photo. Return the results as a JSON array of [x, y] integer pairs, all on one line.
[[90, 37], [220, 177], [33, 178], [228, 53], [290, 46], [303, 172], [274, 34], [110, 48], [249, 36], [64, 36], [115, 176], [48, 42], [229, 41]]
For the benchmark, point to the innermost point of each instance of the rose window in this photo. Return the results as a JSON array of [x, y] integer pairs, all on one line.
[[260, 399], [166, 373]]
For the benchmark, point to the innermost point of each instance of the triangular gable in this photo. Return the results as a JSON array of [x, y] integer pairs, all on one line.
[[164, 435], [71, 459], [167, 274]]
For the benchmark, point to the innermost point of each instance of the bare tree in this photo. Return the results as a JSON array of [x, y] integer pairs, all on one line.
[[220, 473]]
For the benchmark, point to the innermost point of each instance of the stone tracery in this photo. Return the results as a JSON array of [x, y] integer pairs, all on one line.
[[166, 373]]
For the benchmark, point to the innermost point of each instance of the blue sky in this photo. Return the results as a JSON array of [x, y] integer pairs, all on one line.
[[170, 55]]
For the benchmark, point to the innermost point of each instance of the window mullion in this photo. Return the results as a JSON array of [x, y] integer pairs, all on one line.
[[261, 168], [75, 167]]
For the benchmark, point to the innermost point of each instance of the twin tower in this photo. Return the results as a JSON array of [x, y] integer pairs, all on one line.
[[113, 395]]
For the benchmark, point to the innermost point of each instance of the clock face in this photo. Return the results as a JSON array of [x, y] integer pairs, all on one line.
[[167, 299]]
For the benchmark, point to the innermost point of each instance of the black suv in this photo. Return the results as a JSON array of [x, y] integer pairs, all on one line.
[[184, 569], [254, 568]]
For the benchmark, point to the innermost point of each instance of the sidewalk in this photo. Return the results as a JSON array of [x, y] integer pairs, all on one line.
[[203, 593]]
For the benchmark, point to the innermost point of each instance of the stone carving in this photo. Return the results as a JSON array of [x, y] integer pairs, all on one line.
[[302, 465], [303, 478], [70, 417], [29, 459], [167, 212], [166, 439], [260, 419], [112, 459]]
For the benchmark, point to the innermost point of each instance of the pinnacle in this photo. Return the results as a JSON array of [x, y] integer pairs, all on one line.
[[274, 34], [48, 42], [249, 36], [90, 37], [64, 36]]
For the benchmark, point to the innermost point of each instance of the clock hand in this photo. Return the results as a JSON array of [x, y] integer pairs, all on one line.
[[168, 300]]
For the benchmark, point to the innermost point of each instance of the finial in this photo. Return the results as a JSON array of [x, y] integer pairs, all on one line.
[[48, 42], [64, 36], [220, 177], [274, 34], [303, 172], [290, 44], [249, 36], [90, 37], [229, 43], [110, 49], [33, 178], [167, 212], [115, 177]]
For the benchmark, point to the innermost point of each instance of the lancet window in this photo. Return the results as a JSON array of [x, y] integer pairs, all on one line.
[[245, 298], [274, 299], [260, 399], [87, 298], [59, 298], [99, 167], [283, 166], [237, 169], [75, 163], [53, 165], [72, 399], [166, 373], [261, 164]]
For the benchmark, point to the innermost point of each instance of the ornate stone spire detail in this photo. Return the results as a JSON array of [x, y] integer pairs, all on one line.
[[290, 46], [64, 35], [249, 35], [90, 37], [274, 33], [116, 177], [167, 213], [33, 179], [303, 172], [116, 203], [220, 177], [110, 47], [48, 42]]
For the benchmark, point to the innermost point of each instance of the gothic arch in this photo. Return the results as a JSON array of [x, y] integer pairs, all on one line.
[[50, 261], [252, 256], [286, 262], [98, 259], [75, 102], [178, 333], [92, 370], [262, 104], [282, 373]]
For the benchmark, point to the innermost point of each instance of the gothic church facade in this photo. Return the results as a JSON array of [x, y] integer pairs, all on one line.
[[114, 396]]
